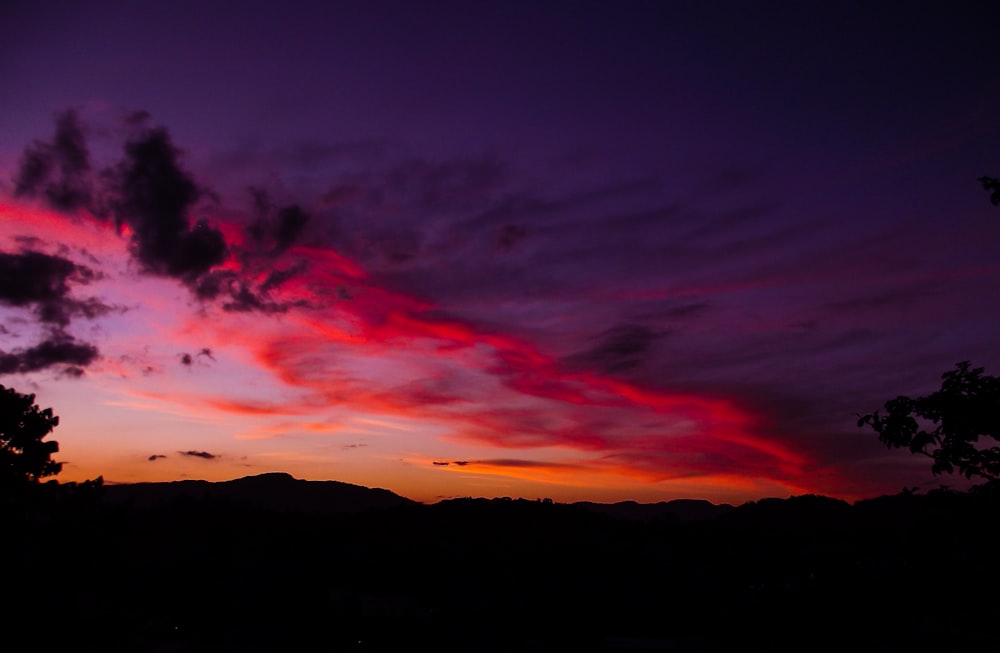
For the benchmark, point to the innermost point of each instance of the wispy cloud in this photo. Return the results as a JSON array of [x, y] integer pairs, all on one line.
[[199, 454]]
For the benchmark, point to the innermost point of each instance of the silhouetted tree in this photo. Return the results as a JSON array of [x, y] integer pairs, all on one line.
[[992, 186], [25, 455], [947, 425]]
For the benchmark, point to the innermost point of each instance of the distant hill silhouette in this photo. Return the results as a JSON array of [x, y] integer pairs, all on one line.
[[270, 562], [806, 509], [276, 491], [281, 492], [678, 509]]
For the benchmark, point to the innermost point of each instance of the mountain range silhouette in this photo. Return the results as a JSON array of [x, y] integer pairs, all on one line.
[[281, 492], [275, 491], [275, 563]]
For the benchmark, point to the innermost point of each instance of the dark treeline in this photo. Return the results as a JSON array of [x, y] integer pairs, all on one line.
[[206, 572]]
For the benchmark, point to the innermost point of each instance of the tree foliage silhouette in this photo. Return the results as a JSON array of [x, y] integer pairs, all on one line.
[[992, 186], [947, 425], [25, 455]]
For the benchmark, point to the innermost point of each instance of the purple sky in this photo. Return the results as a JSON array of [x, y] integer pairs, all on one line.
[[587, 249]]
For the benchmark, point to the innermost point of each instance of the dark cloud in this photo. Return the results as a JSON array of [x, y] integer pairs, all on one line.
[[243, 299], [276, 233], [199, 454], [215, 284], [91, 308], [278, 277], [42, 282], [238, 295], [154, 197], [61, 312], [619, 349], [29, 242], [187, 359], [505, 462], [58, 349], [290, 224], [59, 171], [156, 456], [33, 277], [516, 462]]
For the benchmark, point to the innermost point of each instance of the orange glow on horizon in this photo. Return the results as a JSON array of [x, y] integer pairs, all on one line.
[[350, 367]]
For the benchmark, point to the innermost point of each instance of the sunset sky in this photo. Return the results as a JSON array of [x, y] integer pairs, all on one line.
[[580, 250]]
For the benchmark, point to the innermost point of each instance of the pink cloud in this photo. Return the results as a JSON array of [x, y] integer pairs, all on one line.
[[352, 341], [386, 352]]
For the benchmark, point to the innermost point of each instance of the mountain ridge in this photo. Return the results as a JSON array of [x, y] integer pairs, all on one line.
[[282, 492], [278, 491]]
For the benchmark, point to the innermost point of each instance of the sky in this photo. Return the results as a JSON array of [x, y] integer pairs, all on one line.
[[578, 250]]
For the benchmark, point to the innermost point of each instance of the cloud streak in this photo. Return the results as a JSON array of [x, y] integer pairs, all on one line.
[[57, 349], [628, 326], [198, 454]]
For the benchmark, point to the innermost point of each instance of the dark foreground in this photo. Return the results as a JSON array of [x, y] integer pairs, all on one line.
[[195, 572]]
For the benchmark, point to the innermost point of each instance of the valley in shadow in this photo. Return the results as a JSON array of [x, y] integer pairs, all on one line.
[[271, 563]]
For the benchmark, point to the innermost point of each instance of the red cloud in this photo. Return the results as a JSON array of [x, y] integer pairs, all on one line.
[[386, 352], [363, 345]]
